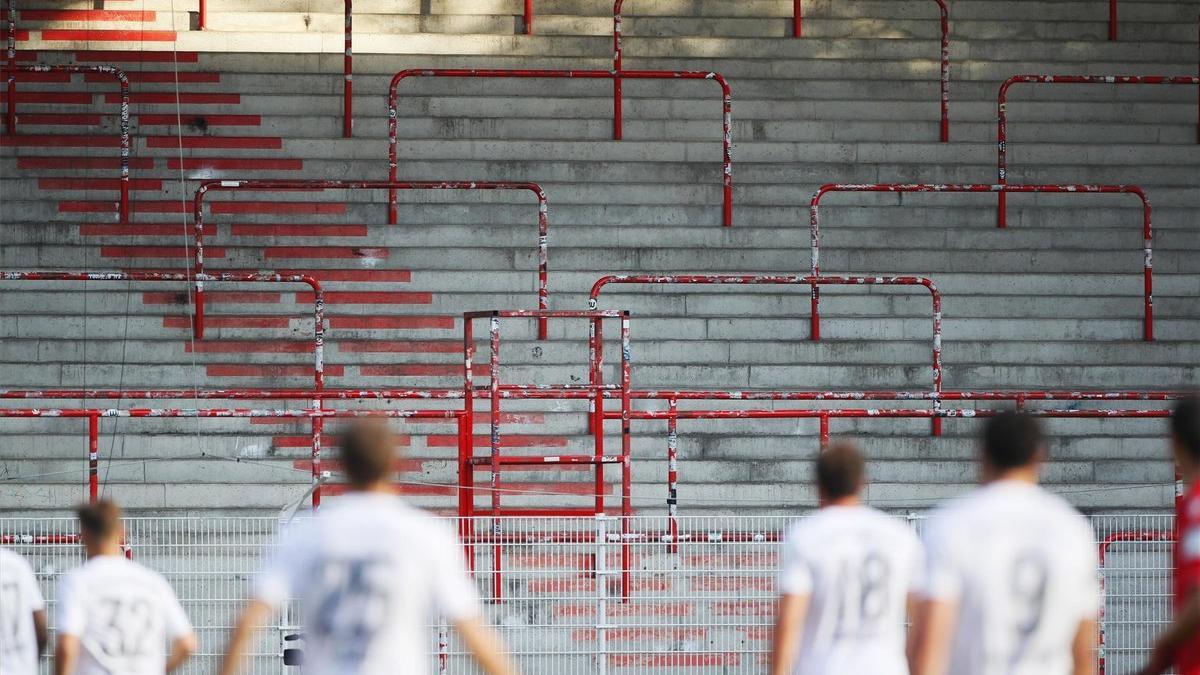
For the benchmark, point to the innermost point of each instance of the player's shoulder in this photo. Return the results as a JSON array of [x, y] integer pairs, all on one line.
[[12, 559]]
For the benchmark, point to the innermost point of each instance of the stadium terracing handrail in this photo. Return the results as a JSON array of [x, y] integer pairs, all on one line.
[[944, 76], [10, 60], [726, 101], [122, 80], [392, 186], [1002, 114], [791, 279], [1001, 189]]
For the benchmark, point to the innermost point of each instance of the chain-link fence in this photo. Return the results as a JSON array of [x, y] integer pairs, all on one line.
[[579, 595]]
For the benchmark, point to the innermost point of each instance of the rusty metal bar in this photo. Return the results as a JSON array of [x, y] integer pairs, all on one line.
[[616, 76], [306, 185], [1001, 189], [348, 73], [1002, 114], [122, 80]]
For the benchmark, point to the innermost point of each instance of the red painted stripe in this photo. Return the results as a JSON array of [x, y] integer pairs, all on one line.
[[83, 15], [253, 230], [153, 97], [506, 441], [328, 252], [216, 297], [369, 298], [390, 322], [744, 608], [248, 347], [60, 119], [143, 206], [60, 141], [45, 77], [132, 230], [382, 276], [110, 56], [191, 119], [165, 77], [400, 347], [229, 321], [676, 660], [87, 35], [222, 142], [82, 162], [413, 370], [68, 98], [286, 208], [241, 370], [137, 184], [235, 163], [632, 609], [155, 252]]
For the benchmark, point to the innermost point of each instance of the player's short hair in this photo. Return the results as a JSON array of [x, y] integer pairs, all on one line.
[[1185, 425], [840, 470], [1012, 440], [99, 520], [368, 447]]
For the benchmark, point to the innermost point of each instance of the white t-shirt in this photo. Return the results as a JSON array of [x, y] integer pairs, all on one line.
[[123, 614], [1021, 564], [857, 566], [370, 573], [20, 597]]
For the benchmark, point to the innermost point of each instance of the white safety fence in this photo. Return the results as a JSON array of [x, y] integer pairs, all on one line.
[[578, 595]]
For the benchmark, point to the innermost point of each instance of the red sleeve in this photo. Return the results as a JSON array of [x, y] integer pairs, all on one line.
[[1187, 549]]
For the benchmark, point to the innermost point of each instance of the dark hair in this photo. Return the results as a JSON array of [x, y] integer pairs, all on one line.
[[1012, 440], [1185, 425], [840, 471], [367, 451], [99, 520]]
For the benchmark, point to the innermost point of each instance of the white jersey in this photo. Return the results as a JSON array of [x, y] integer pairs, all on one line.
[[371, 574], [20, 597], [857, 566], [124, 615], [1021, 565]]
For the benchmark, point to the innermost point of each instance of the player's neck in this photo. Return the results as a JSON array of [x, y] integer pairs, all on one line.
[[381, 487], [1023, 474], [851, 500], [103, 550]]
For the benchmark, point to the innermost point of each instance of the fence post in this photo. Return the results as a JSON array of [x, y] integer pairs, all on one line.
[[601, 665], [10, 114], [348, 74], [93, 457], [618, 96]]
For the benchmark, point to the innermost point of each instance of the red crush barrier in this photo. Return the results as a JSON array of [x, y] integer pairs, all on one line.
[[303, 185], [944, 76], [595, 392], [1002, 189], [122, 80], [1107, 543], [726, 100], [1002, 113], [10, 114]]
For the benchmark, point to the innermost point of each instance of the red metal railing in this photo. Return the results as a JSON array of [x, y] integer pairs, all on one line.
[[616, 76], [594, 391], [318, 336], [1002, 190], [303, 185], [1002, 113], [122, 80], [814, 281], [944, 77]]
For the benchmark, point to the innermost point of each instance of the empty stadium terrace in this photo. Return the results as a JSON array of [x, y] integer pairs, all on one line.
[[640, 261]]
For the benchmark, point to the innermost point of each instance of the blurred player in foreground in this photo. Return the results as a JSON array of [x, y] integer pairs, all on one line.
[[1011, 585], [371, 573], [1180, 643], [22, 616], [848, 575], [115, 616]]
